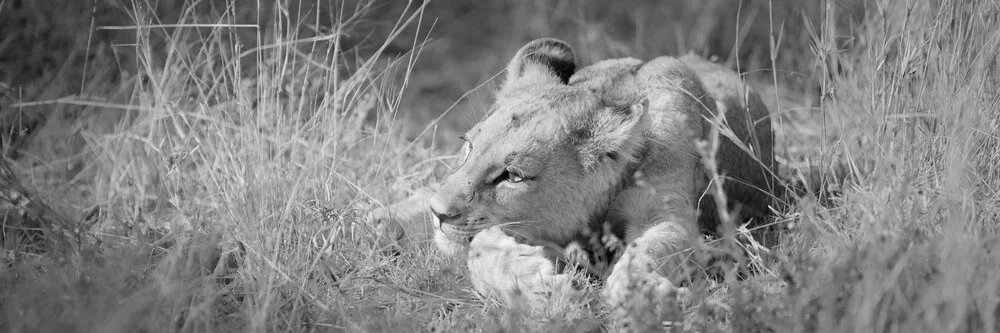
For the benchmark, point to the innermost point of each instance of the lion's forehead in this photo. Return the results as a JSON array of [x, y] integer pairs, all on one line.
[[520, 146], [535, 121], [525, 148], [537, 115], [526, 145]]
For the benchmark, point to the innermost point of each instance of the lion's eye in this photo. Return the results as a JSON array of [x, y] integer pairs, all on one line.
[[466, 150], [512, 175]]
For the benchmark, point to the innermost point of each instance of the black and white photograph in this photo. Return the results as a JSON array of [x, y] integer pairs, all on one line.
[[499, 166]]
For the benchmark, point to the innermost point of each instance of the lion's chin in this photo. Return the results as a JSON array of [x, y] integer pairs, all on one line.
[[452, 241]]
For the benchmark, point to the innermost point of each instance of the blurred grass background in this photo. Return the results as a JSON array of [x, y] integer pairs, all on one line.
[[210, 160]]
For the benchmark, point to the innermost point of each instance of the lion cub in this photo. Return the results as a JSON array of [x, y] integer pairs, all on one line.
[[566, 150]]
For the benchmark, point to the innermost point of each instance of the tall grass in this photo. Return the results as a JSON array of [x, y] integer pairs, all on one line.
[[265, 169], [227, 171], [913, 108]]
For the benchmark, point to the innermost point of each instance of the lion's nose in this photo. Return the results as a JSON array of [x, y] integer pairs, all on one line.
[[445, 215], [448, 217]]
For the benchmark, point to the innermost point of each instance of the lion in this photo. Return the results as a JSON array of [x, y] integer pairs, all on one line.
[[566, 151]]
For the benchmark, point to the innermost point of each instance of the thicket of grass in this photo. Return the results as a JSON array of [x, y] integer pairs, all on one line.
[[220, 157]]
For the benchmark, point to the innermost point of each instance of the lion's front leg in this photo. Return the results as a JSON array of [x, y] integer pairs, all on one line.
[[645, 265], [656, 236]]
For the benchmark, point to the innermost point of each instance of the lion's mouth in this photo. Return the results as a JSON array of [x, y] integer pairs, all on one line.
[[467, 229], [466, 234], [463, 232]]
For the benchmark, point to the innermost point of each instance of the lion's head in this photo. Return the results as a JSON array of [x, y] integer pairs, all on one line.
[[549, 156]]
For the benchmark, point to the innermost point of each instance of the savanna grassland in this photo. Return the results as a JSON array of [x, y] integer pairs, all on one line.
[[205, 166]]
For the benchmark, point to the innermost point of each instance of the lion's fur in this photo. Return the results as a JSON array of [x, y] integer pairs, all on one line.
[[611, 142], [585, 135]]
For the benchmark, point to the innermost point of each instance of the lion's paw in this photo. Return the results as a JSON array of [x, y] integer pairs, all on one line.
[[634, 282], [502, 268]]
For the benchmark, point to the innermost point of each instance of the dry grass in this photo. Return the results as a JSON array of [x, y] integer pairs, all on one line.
[[218, 156]]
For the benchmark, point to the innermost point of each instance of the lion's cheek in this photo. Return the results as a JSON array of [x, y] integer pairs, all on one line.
[[514, 204]]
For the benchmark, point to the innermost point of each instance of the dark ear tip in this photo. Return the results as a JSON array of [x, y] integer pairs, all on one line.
[[548, 47], [553, 54]]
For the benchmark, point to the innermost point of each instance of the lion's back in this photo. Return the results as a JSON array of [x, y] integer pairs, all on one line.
[[752, 182]]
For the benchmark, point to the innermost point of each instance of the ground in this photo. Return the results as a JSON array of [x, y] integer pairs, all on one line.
[[205, 166]]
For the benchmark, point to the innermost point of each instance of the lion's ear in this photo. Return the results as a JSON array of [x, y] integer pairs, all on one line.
[[542, 60], [614, 134]]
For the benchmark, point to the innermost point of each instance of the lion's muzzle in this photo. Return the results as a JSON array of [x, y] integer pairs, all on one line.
[[446, 214]]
